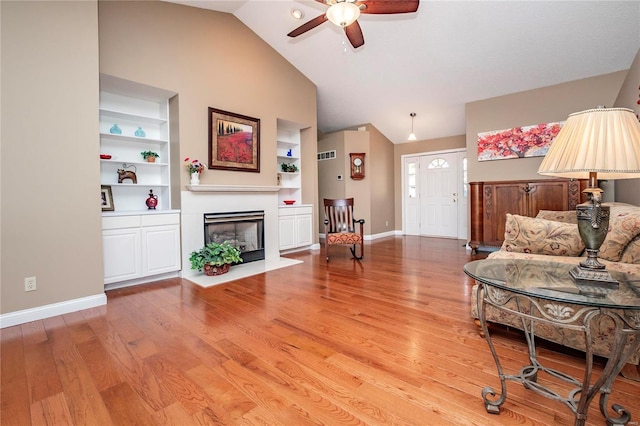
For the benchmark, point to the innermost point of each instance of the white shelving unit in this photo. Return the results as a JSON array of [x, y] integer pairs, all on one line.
[[132, 107], [288, 151], [139, 244]]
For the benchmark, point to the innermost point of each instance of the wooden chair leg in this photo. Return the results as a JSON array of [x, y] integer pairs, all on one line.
[[326, 251]]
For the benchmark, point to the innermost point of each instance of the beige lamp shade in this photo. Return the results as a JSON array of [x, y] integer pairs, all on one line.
[[601, 140]]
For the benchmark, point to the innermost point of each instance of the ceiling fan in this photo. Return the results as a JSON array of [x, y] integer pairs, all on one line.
[[344, 13]]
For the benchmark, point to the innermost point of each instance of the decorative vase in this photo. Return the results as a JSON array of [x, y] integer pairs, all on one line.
[[211, 270], [152, 201], [195, 178], [115, 130], [140, 133]]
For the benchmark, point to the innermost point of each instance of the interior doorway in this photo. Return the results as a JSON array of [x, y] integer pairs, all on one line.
[[435, 194]]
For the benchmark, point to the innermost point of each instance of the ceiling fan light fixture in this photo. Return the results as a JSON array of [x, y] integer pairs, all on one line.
[[412, 136], [343, 13]]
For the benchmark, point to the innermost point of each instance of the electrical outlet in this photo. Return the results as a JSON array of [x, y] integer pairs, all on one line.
[[30, 284], [386, 223]]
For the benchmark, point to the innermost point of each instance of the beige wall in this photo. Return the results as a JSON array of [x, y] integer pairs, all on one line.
[[418, 147], [211, 59], [380, 169], [51, 221], [544, 105], [360, 190], [373, 195], [628, 190]]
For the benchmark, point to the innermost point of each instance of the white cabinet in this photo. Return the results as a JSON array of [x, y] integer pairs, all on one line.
[[139, 247], [295, 226], [121, 254], [134, 118]]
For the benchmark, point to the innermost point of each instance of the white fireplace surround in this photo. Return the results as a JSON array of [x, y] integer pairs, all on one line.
[[200, 199]]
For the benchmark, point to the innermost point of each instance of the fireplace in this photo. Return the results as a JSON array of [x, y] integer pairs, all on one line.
[[244, 230]]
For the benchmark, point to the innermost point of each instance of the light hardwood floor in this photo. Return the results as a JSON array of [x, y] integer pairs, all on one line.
[[388, 340]]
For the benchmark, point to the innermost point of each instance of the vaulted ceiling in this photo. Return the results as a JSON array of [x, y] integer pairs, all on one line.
[[448, 53]]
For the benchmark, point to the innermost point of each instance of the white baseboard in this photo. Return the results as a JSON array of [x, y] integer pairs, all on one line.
[[47, 311], [143, 280]]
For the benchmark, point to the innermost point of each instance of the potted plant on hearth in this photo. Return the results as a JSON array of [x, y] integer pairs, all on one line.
[[150, 156], [215, 258]]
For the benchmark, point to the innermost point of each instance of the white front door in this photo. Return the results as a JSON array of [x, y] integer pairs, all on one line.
[[433, 203], [439, 195]]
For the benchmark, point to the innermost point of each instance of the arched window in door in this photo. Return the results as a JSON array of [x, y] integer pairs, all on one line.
[[438, 163]]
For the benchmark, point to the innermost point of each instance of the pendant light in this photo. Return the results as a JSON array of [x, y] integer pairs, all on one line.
[[412, 136]]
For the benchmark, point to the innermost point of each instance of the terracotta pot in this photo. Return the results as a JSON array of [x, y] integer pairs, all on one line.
[[211, 270], [151, 159]]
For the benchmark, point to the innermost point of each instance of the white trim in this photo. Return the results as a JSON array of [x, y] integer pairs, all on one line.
[[141, 280], [47, 311], [303, 248], [232, 188]]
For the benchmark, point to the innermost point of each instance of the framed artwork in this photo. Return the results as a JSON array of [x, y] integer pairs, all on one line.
[[518, 142], [106, 198], [234, 141]]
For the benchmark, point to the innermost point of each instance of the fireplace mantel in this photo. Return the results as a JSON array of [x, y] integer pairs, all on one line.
[[232, 188]]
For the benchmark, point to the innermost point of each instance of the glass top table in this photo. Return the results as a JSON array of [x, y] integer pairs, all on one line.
[[543, 292], [551, 281]]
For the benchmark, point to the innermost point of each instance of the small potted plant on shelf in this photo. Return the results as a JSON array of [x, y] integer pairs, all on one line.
[[150, 156], [289, 167], [215, 258]]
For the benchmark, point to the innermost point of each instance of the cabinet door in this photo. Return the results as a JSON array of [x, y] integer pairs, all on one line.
[[304, 230], [121, 254], [548, 196], [287, 227], [160, 249], [500, 199]]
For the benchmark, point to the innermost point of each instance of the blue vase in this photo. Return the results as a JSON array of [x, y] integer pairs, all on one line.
[[140, 133], [115, 130]]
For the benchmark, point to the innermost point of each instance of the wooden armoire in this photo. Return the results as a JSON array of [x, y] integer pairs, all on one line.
[[491, 201]]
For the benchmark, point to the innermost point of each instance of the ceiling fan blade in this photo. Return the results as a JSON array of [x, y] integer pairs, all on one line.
[[354, 34], [308, 26], [388, 6]]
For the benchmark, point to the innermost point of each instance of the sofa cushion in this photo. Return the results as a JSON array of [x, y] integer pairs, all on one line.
[[631, 253], [540, 236], [624, 226], [568, 216]]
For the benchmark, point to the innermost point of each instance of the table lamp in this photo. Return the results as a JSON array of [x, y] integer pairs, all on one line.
[[601, 143]]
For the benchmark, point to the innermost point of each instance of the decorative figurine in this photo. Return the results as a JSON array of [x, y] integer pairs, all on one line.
[[152, 201], [127, 174]]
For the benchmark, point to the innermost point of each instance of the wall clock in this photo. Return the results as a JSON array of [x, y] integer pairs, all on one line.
[[357, 165]]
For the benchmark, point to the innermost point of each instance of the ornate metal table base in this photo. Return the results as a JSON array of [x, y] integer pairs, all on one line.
[[570, 316]]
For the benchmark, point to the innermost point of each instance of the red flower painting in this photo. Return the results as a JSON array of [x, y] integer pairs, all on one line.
[[518, 142]]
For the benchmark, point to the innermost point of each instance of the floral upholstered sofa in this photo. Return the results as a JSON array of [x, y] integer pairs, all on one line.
[[553, 235]]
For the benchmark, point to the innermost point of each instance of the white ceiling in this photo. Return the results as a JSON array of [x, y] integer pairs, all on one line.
[[446, 54]]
